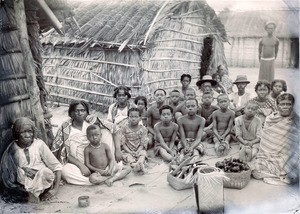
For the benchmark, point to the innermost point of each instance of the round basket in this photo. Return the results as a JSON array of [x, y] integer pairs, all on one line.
[[237, 180], [178, 183]]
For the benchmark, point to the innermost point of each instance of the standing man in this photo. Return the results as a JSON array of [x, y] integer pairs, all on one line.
[[267, 53]]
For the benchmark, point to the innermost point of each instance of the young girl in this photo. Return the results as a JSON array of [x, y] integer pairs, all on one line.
[[248, 129], [218, 87], [134, 141], [141, 104], [226, 82], [277, 86]]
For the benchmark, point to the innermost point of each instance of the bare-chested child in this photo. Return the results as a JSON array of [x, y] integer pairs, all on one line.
[[191, 128], [181, 109], [222, 125], [153, 115], [174, 99], [248, 130], [206, 112], [166, 132], [98, 158], [134, 141]]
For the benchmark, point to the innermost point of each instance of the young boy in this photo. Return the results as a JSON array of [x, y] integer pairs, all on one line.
[[267, 53], [248, 129], [181, 109], [206, 112], [153, 115], [98, 158], [191, 129], [174, 100], [222, 125], [134, 141], [166, 132]]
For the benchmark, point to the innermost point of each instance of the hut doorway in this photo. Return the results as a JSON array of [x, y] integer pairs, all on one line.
[[294, 60], [206, 55]]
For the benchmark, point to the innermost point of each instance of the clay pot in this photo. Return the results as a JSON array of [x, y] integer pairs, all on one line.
[[83, 201]]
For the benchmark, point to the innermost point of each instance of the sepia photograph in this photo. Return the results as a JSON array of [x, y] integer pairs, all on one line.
[[149, 106]]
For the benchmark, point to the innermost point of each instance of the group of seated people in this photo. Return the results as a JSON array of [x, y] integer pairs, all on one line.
[[88, 150]]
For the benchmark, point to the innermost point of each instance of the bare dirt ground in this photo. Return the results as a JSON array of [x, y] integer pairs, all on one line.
[[151, 193]]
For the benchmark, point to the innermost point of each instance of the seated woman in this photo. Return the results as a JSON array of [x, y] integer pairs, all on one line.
[[117, 114], [29, 171], [265, 105], [71, 140], [278, 156]]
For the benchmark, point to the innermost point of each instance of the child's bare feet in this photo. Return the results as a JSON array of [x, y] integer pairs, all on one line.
[[142, 168], [136, 167], [109, 182]]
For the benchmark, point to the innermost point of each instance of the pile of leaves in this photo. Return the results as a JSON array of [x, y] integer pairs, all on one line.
[[181, 167], [232, 165]]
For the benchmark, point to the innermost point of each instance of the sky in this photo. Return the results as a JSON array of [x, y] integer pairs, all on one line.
[[244, 5], [239, 5]]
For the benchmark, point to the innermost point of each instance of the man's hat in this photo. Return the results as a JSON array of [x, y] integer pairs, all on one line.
[[241, 79], [206, 78]]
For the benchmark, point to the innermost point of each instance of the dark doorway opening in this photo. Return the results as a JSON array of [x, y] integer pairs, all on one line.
[[294, 60], [206, 56]]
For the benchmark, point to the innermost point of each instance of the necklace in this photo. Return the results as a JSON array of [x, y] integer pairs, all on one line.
[[95, 147]]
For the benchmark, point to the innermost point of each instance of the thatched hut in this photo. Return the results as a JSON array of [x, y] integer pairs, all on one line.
[[245, 29], [21, 80], [141, 44]]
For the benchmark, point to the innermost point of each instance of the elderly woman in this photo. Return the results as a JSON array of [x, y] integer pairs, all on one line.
[[29, 171], [71, 140], [117, 114], [278, 156], [265, 105]]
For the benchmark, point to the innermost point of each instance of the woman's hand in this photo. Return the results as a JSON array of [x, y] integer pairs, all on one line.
[[84, 170]]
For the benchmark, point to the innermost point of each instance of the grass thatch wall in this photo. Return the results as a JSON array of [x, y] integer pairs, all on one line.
[[14, 96], [90, 75], [243, 52]]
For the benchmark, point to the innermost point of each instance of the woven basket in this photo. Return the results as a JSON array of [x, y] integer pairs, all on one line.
[[237, 180], [178, 183]]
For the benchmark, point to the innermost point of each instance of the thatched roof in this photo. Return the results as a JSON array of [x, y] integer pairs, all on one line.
[[62, 10], [116, 23], [251, 23]]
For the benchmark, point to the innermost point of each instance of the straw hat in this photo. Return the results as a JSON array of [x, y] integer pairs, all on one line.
[[270, 23], [206, 78], [241, 79]]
